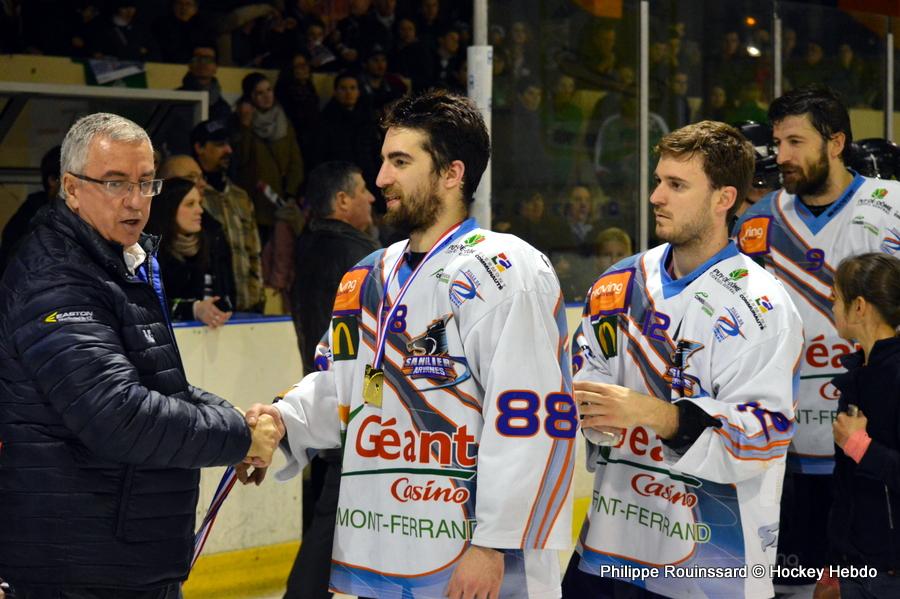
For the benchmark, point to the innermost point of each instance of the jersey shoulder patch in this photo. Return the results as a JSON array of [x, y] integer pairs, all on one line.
[[611, 293], [753, 237]]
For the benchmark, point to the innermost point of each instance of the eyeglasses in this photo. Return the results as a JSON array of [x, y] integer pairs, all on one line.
[[203, 60], [118, 188]]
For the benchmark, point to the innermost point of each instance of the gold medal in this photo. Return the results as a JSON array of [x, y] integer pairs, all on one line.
[[372, 386]]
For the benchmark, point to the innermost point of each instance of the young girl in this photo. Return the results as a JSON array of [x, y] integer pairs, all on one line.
[[864, 524]]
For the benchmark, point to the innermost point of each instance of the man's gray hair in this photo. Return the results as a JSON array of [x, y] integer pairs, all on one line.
[[82, 133]]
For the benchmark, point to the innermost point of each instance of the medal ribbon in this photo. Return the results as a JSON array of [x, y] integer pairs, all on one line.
[[384, 322]]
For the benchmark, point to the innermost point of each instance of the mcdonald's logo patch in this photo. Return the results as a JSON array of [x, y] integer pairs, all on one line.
[[344, 337], [348, 293], [611, 293], [607, 333]]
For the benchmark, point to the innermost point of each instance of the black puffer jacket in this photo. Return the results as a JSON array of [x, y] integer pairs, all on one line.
[[864, 522], [102, 436]]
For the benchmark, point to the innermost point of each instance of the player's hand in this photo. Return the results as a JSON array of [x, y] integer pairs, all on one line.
[[845, 425], [265, 437], [478, 575], [823, 591], [246, 476], [603, 406]]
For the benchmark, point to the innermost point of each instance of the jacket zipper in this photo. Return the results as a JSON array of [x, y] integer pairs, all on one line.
[[887, 499]]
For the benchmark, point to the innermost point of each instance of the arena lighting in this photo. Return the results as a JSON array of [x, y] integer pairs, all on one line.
[[750, 21], [753, 51]]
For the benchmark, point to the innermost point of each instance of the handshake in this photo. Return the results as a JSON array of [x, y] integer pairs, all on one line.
[[266, 431]]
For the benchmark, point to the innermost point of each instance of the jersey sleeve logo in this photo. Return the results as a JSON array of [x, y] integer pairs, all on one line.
[[754, 235], [347, 300], [611, 293]]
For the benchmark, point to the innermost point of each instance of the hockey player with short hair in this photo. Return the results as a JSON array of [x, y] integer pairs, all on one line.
[[448, 379], [686, 360], [824, 214]]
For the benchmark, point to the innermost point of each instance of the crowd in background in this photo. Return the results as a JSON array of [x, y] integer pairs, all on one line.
[[565, 110]]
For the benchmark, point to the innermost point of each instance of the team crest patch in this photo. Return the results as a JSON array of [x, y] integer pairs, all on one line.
[[348, 293], [429, 358], [683, 384], [753, 238], [611, 293]]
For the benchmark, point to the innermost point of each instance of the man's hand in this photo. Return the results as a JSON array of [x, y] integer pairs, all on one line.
[[603, 405], [246, 476], [845, 425], [478, 575]]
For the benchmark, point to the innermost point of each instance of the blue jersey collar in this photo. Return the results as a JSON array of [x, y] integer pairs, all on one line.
[[816, 223], [673, 287]]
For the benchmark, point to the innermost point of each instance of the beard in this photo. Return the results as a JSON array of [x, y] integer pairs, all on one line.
[[415, 212], [692, 232], [814, 182]]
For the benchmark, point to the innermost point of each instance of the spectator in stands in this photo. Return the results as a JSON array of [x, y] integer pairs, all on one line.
[[233, 209], [846, 77], [429, 23], [598, 49], [749, 106], [525, 165], [181, 31], [201, 76], [446, 58], [616, 148], [348, 130], [715, 106], [384, 23], [410, 57], [334, 241], [564, 125], [658, 54], [613, 244], [624, 84], [535, 224], [125, 37], [673, 106], [579, 217], [248, 43], [20, 224], [267, 152], [504, 86], [378, 86], [358, 32], [813, 69], [182, 166], [194, 257], [82, 26], [297, 95], [521, 51], [321, 56], [730, 68]]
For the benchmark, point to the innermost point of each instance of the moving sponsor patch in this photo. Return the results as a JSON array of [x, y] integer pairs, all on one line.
[[611, 293], [348, 293], [753, 238]]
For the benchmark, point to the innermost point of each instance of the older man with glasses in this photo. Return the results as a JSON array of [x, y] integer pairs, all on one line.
[[101, 436]]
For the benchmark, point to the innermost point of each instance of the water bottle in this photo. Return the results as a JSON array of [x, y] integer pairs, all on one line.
[[207, 286]]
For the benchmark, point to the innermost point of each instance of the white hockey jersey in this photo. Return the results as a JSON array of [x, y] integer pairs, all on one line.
[[475, 437], [803, 251], [727, 338]]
